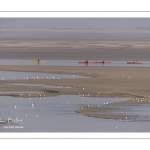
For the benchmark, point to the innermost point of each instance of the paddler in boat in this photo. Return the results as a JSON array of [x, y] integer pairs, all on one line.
[[86, 61], [38, 61], [103, 62]]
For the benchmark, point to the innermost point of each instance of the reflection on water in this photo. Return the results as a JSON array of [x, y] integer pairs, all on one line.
[[70, 63], [57, 114]]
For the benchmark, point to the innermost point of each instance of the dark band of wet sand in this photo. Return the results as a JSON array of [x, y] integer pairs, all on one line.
[[75, 48]]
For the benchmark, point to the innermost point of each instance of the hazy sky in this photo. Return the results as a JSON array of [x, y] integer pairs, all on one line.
[[98, 23]]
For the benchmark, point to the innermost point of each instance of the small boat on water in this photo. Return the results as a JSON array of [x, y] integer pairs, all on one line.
[[38, 61], [134, 62], [97, 62]]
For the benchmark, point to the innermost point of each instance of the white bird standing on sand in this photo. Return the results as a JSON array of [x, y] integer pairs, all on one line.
[[83, 88], [15, 107], [36, 115]]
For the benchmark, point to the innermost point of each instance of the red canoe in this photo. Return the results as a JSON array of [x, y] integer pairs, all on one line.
[[94, 62], [134, 63]]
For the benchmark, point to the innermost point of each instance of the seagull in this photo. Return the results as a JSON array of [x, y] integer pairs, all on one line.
[[32, 105], [36, 115], [15, 107]]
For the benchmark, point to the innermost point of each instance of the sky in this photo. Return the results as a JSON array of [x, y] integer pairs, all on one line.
[[79, 23]]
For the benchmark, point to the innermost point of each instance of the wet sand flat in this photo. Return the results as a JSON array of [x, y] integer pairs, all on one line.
[[75, 48], [107, 81]]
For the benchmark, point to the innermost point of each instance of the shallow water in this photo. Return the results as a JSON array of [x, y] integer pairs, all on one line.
[[7, 75], [41, 85], [57, 114], [71, 63]]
